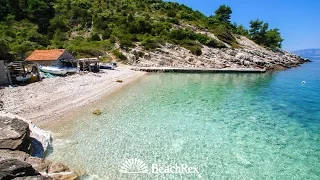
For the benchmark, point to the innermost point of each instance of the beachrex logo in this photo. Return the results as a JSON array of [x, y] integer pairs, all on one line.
[[133, 166], [137, 166]]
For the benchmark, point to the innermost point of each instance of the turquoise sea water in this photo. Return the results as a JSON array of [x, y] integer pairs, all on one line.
[[229, 126]]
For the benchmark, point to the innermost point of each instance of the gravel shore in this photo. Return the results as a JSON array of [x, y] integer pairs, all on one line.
[[45, 101]]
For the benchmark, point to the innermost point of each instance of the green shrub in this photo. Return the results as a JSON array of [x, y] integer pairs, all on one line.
[[235, 45], [38, 38], [112, 39], [126, 44], [225, 35], [172, 13], [150, 44], [85, 48], [182, 34], [203, 39], [187, 16], [138, 54], [95, 37], [106, 34], [174, 21], [119, 55], [192, 46], [214, 44], [195, 50]]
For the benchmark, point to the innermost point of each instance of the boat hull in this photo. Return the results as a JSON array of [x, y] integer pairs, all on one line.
[[23, 78], [55, 71], [72, 70]]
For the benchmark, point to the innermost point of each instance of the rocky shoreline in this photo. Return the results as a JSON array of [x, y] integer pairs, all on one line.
[[22, 150], [247, 54]]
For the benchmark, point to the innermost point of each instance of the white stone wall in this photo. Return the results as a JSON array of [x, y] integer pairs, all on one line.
[[4, 81]]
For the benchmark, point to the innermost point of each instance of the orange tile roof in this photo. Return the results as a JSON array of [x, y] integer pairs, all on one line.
[[45, 55]]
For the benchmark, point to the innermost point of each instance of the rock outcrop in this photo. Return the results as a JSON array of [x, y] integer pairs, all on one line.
[[14, 134], [9, 154], [12, 168], [16, 161], [247, 54], [40, 139]]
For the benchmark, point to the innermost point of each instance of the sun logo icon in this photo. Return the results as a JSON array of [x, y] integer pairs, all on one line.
[[134, 166]]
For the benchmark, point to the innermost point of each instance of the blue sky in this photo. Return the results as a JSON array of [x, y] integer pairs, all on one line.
[[298, 20]]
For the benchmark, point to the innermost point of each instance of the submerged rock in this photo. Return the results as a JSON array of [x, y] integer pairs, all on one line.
[[97, 112], [57, 168], [65, 176]]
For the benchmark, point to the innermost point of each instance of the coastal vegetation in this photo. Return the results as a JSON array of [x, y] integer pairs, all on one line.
[[91, 28]]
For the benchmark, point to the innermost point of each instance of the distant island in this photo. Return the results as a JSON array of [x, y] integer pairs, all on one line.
[[310, 53]]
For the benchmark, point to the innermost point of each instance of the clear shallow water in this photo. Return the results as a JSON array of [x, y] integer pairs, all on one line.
[[229, 126]]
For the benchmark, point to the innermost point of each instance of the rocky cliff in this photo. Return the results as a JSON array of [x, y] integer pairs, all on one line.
[[247, 54]]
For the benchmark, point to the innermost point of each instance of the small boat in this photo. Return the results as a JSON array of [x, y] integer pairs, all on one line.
[[72, 70], [53, 70], [107, 66], [23, 78]]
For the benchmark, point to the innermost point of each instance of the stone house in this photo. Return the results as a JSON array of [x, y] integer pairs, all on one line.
[[53, 57]]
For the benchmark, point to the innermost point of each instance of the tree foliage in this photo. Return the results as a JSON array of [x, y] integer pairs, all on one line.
[[223, 14], [260, 34], [5, 50], [26, 25]]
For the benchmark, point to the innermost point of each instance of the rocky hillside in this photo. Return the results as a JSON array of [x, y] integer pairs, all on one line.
[[156, 32], [247, 55]]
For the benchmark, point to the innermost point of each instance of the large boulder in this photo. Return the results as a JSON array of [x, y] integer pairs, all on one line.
[[41, 140], [12, 168], [14, 134]]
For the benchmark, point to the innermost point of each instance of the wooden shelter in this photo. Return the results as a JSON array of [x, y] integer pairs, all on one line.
[[89, 64]]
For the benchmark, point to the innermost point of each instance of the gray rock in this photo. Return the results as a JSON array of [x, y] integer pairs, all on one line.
[[12, 168], [9, 154], [14, 134], [33, 178], [1, 105], [40, 165]]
